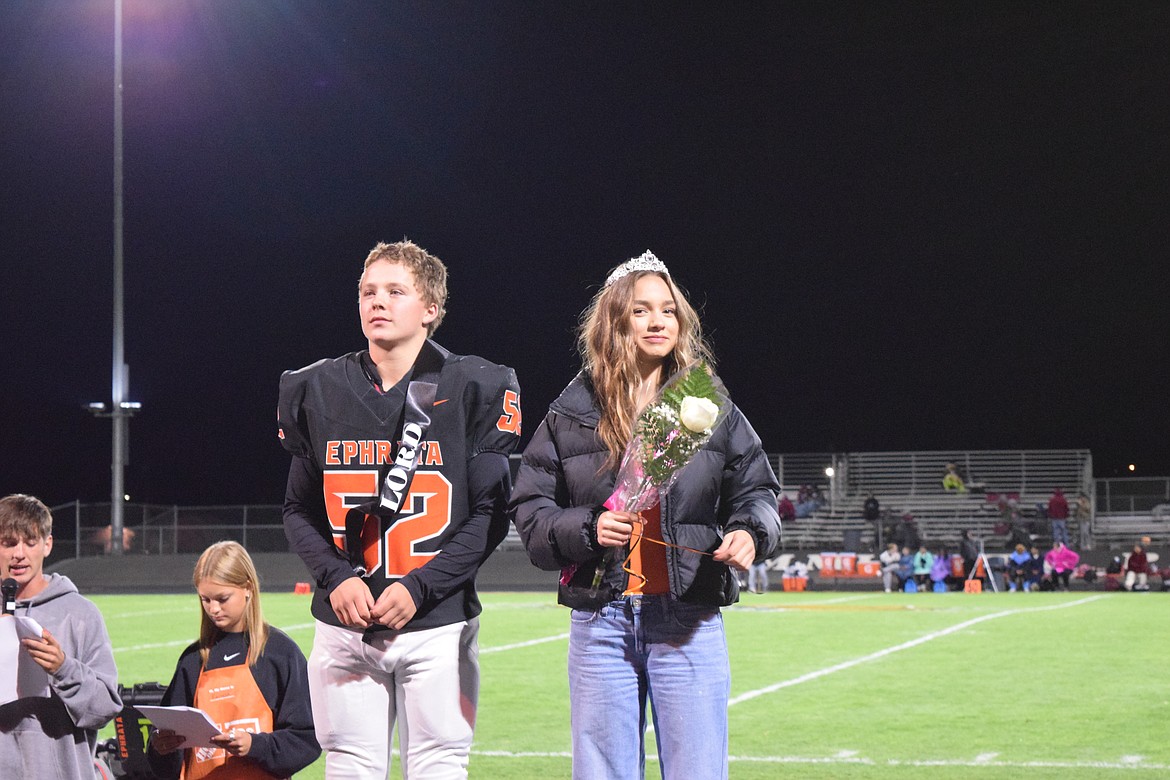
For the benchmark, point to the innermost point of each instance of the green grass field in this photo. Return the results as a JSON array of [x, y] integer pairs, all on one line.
[[824, 685]]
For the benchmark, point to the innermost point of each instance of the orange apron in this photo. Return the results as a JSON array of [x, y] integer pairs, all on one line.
[[232, 699]]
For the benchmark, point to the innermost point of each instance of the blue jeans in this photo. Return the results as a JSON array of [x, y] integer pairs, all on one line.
[[652, 647], [1060, 532], [758, 578]]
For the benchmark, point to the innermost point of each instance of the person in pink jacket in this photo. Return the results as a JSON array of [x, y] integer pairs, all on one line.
[[1062, 561]]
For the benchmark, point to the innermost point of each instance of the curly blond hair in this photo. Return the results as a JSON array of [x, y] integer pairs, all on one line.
[[430, 275]]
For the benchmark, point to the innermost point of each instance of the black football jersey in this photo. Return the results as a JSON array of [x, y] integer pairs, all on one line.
[[333, 416]]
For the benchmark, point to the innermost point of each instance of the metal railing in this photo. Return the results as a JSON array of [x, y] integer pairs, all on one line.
[[1132, 494], [83, 529]]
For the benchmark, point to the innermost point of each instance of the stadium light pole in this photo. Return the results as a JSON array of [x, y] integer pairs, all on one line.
[[120, 409]]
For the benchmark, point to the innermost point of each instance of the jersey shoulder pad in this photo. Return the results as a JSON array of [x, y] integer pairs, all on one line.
[[482, 378], [491, 397], [299, 389]]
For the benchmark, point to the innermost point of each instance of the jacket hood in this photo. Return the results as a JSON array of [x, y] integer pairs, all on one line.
[[59, 585]]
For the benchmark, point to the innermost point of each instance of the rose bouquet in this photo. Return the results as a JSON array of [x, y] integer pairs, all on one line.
[[667, 434]]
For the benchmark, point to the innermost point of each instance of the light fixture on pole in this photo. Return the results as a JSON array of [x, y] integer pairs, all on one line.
[[120, 410]]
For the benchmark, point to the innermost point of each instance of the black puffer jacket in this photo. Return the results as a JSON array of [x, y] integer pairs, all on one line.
[[728, 486]]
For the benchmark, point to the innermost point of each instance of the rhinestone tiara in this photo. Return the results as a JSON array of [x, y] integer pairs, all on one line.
[[643, 262]]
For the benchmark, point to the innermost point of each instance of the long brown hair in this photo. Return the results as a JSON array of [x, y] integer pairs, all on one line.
[[609, 355], [229, 563]]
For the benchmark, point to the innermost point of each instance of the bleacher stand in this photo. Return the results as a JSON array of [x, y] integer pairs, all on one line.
[[910, 483]]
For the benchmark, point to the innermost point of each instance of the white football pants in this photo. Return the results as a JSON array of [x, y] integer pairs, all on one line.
[[427, 681]]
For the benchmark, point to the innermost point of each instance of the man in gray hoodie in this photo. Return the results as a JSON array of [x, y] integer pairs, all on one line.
[[53, 738]]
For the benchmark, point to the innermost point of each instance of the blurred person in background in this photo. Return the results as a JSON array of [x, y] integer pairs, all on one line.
[[1062, 560]]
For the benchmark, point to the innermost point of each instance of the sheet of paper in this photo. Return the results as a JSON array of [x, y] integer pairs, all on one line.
[[20, 676], [27, 628], [10, 652], [192, 723]]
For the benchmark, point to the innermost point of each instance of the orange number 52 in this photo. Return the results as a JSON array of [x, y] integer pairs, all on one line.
[[426, 513]]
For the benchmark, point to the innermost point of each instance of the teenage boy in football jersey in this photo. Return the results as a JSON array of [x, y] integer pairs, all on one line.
[[397, 492]]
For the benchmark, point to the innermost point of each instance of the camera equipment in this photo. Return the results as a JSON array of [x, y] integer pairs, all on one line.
[[125, 754], [983, 567]]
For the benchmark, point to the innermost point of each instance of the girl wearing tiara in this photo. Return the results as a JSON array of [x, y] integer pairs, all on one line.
[[649, 628], [265, 718]]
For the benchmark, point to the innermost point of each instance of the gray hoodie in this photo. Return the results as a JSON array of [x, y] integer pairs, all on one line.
[[55, 738]]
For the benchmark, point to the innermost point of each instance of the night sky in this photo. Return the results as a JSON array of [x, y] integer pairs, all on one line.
[[907, 225]]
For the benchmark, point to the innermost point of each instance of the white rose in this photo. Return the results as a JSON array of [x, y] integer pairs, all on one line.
[[698, 414]]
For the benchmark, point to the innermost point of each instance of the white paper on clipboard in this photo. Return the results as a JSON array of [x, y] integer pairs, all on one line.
[[194, 724]]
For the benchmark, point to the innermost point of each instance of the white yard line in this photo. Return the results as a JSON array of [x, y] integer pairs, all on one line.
[[302, 626], [145, 613], [154, 646], [747, 606], [185, 642], [518, 645], [856, 597], [898, 648], [851, 757], [1123, 763]]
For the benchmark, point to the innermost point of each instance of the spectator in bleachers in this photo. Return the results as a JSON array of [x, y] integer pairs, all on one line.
[[786, 509], [1018, 565], [1005, 516], [968, 550], [807, 501], [1137, 570], [923, 562], [940, 569], [1113, 570], [757, 581], [1058, 515], [1017, 532], [906, 566], [871, 510], [1062, 560], [906, 533], [1035, 571], [1083, 512], [952, 480], [891, 562]]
